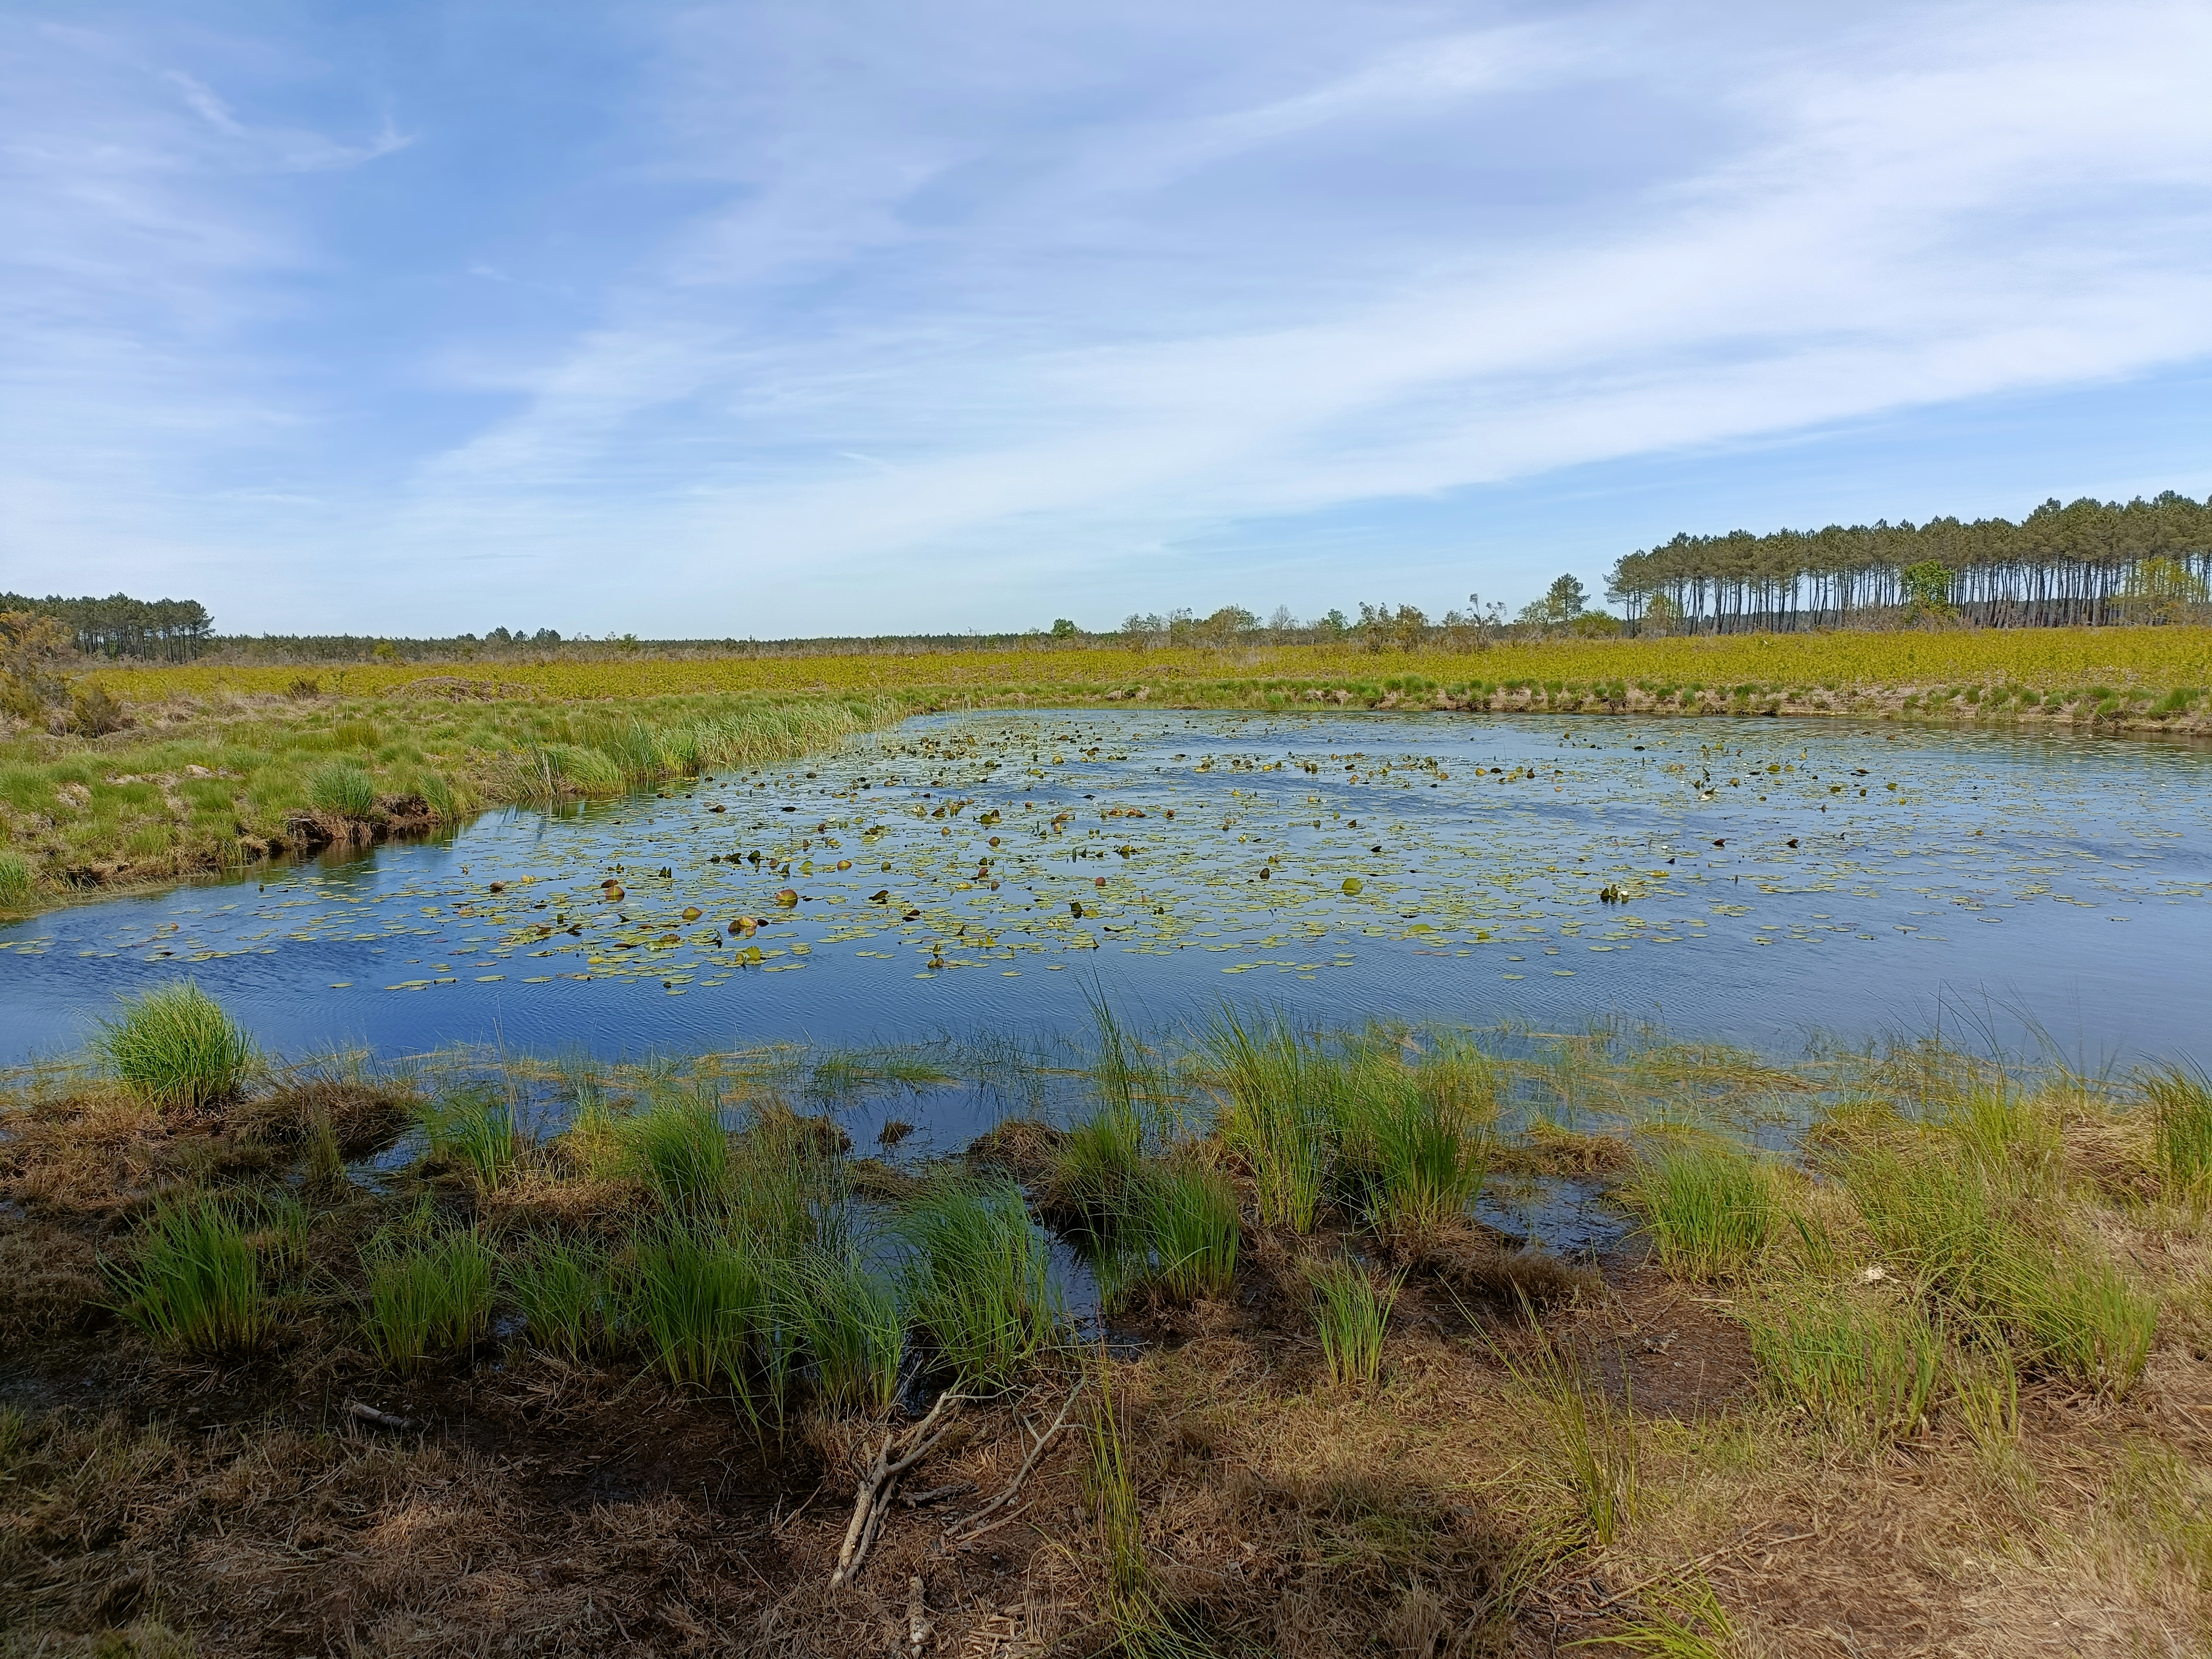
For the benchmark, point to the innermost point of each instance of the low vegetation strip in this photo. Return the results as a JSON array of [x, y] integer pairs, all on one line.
[[457, 1397], [201, 784]]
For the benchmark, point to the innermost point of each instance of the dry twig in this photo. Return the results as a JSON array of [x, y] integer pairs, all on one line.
[[971, 1526], [898, 1454]]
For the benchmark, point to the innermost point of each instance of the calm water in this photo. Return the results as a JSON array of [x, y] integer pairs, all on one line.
[[1774, 879]]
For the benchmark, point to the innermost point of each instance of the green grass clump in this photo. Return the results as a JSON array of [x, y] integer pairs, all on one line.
[[1863, 1365], [17, 879], [680, 1153], [1708, 1210], [2070, 1312], [1350, 1313], [344, 789], [1098, 1172], [1279, 1084], [2181, 1131], [1596, 1439], [474, 1128], [700, 1303], [979, 1279], [560, 1286], [177, 1047], [1423, 1164], [428, 1296], [193, 1283], [1187, 1213], [849, 1320]]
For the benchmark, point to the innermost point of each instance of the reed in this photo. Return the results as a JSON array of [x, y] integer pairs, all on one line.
[[429, 1294], [1350, 1313], [979, 1279], [177, 1047], [193, 1283], [1708, 1210]]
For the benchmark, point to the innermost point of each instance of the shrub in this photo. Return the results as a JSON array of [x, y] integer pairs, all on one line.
[[979, 1279], [177, 1047], [428, 1296], [194, 1284]]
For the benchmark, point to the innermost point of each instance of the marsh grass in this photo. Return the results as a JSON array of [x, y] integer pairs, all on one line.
[[979, 1280], [178, 1048], [1351, 1314], [1188, 1218], [1595, 1440], [1098, 1172], [1863, 1363], [1681, 1619], [702, 1305], [1279, 1083], [2181, 1130], [679, 1152], [17, 880], [429, 1293], [193, 1282], [848, 1320], [1427, 1166], [560, 1286], [473, 1128], [343, 789], [1709, 1210]]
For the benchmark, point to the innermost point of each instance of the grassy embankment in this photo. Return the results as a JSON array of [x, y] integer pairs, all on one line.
[[1938, 1383], [224, 764]]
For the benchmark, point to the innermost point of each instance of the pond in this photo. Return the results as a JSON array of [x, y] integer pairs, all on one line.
[[1755, 880]]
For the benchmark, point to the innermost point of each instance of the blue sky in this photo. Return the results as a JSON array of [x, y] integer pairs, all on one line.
[[791, 319]]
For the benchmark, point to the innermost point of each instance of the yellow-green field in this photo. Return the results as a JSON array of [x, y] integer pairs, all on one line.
[[221, 765], [2146, 664]]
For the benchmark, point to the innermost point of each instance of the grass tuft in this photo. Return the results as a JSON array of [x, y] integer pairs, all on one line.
[[703, 1304], [426, 1296], [18, 878], [1188, 1216], [1350, 1313], [979, 1279], [1863, 1366], [194, 1283], [1708, 1210], [474, 1127], [343, 789], [560, 1286], [176, 1047], [849, 1320], [2181, 1129]]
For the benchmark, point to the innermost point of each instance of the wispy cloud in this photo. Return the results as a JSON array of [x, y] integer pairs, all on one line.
[[920, 317]]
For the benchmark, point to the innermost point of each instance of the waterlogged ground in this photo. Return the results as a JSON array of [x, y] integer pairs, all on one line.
[[1756, 880]]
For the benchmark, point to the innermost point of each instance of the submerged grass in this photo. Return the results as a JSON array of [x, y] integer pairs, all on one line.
[[178, 1048]]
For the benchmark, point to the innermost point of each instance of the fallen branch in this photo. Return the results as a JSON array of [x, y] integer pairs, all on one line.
[[969, 1526], [897, 1455], [382, 1420], [914, 1500]]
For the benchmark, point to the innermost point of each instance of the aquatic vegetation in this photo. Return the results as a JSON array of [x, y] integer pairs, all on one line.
[[341, 789], [177, 1047], [1708, 1209], [1594, 1437], [429, 1293], [192, 1282], [979, 1279], [1279, 1084], [679, 1151], [473, 1127], [1351, 1312], [1098, 1169]]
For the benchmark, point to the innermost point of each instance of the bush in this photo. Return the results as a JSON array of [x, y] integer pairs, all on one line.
[[194, 1283], [177, 1047]]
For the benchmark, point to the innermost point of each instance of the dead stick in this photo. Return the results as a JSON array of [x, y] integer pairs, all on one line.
[[882, 1472], [1006, 1496]]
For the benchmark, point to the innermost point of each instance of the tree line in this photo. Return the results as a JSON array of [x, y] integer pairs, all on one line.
[[2084, 562], [169, 630]]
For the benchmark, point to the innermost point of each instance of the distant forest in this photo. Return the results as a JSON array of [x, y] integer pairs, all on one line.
[[2084, 562], [2089, 562]]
